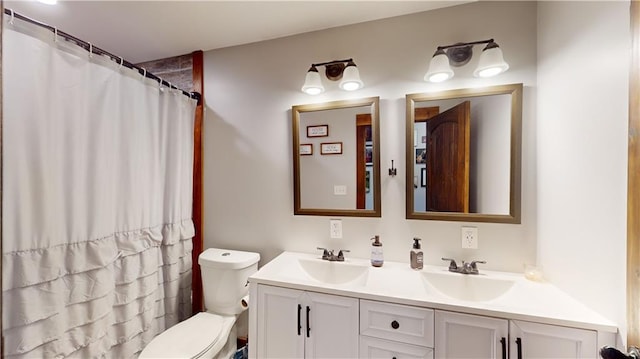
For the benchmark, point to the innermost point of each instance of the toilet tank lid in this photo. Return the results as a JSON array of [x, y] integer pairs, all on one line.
[[226, 258]]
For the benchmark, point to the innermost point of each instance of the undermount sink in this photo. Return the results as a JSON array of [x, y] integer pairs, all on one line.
[[474, 288], [334, 272]]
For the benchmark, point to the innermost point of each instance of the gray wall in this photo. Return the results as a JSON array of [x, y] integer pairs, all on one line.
[[582, 127]]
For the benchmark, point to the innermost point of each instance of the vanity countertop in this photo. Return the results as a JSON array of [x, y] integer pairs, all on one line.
[[396, 282]]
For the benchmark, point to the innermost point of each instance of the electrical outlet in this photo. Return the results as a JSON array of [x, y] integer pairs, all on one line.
[[469, 237], [335, 228]]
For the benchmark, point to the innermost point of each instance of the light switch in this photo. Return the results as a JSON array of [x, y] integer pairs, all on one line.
[[340, 190]]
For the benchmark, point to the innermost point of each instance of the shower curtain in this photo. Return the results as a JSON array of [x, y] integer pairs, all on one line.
[[97, 188]]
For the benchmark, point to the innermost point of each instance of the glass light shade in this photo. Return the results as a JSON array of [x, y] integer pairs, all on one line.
[[439, 69], [491, 63], [351, 79], [312, 83], [48, 2]]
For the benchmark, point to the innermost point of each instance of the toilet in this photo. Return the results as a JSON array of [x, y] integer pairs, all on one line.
[[210, 334]]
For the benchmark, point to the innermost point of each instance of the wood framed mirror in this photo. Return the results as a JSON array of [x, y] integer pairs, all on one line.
[[463, 153], [336, 158]]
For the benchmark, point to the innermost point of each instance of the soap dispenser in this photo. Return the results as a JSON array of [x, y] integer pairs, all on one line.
[[377, 258], [416, 255]]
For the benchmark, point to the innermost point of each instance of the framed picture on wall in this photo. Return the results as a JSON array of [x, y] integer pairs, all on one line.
[[421, 156], [306, 149], [318, 131], [423, 177], [368, 155], [331, 148]]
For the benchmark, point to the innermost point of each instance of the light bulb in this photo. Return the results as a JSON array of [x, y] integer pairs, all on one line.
[[312, 83], [439, 69], [491, 62], [351, 78]]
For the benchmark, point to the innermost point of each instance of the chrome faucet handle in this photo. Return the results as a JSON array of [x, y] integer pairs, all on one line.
[[453, 266], [341, 254], [474, 266], [325, 252]]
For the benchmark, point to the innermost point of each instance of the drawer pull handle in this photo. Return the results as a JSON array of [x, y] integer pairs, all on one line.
[[308, 327], [395, 324], [299, 325]]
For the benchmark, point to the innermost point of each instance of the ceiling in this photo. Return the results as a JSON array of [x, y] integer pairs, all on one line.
[[149, 30]]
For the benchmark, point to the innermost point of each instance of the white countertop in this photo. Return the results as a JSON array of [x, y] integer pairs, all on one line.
[[396, 282]]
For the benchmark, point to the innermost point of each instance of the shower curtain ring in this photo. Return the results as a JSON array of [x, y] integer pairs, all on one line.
[[144, 73], [55, 34], [12, 17], [121, 61], [90, 50]]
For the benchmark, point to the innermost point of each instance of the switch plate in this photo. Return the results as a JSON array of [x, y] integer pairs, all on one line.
[[335, 228], [469, 237], [340, 190]]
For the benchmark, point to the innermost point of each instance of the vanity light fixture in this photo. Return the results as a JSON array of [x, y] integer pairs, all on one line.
[[491, 62], [334, 70]]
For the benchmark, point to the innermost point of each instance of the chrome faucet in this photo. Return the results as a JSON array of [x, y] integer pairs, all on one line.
[[328, 254], [466, 268]]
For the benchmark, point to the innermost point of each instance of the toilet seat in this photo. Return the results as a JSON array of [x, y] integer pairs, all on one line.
[[200, 336]]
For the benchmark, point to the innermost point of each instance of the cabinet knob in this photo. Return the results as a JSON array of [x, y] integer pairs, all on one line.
[[395, 324]]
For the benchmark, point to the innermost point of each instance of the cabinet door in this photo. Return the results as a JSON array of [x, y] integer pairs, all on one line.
[[332, 326], [371, 348], [279, 319], [470, 336], [542, 341]]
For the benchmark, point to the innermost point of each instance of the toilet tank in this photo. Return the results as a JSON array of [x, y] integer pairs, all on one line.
[[224, 278]]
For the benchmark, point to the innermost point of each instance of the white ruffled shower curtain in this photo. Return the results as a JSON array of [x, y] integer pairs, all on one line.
[[97, 189]]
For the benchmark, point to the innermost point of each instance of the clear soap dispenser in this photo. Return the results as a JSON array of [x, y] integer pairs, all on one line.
[[377, 259], [416, 255]]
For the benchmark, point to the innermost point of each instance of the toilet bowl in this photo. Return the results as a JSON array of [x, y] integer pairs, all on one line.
[[204, 335], [210, 334]]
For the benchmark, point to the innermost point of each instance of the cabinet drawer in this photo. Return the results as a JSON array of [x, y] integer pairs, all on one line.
[[380, 348], [401, 323]]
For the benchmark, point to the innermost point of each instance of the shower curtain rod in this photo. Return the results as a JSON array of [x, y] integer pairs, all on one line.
[[96, 50]]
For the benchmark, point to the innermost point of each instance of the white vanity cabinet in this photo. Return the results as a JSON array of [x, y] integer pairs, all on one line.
[[351, 310], [470, 336], [298, 324], [395, 331], [542, 341]]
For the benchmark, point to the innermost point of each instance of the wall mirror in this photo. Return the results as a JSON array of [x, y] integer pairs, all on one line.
[[336, 158], [463, 150]]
